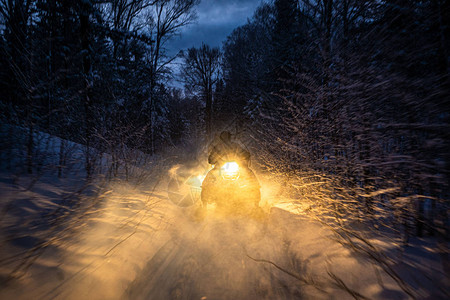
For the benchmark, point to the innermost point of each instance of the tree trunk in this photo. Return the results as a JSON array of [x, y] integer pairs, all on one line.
[[208, 115], [61, 163], [30, 145], [84, 31]]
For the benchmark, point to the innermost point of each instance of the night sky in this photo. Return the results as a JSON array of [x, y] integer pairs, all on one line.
[[216, 20]]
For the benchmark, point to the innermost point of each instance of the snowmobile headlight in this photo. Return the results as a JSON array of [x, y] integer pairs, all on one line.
[[230, 170]]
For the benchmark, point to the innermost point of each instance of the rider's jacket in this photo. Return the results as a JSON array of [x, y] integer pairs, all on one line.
[[227, 151]]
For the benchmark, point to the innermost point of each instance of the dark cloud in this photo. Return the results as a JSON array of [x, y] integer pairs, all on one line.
[[216, 20]]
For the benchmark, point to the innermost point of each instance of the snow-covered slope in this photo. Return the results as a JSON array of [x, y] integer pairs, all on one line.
[[62, 239]]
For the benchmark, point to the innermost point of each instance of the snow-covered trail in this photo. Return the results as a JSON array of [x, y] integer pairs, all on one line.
[[139, 245]]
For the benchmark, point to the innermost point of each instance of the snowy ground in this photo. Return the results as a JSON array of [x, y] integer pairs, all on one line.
[[63, 239], [133, 243]]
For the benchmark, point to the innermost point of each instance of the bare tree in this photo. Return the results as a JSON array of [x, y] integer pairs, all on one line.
[[201, 72], [125, 16], [164, 21], [152, 23]]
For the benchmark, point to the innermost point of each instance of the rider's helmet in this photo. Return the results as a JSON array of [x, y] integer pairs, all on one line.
[[225, 136]]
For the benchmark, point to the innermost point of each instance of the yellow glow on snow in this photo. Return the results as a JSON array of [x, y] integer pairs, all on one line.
[[201, 177]]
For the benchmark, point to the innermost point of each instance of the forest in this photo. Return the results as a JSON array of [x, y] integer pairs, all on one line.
[[343, 103]]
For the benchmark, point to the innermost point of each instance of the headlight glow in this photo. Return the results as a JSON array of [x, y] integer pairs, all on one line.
[[230, 167], [230, 170]]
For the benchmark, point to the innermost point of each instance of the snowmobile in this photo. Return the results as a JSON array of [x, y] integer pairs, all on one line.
[[233, 188]]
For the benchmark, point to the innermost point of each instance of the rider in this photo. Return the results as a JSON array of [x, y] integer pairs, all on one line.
[[225, 150]]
